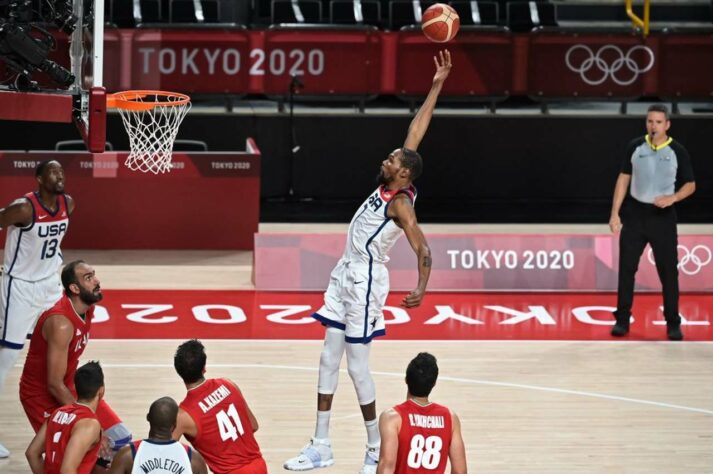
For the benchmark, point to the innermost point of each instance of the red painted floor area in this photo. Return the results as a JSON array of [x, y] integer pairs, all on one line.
[[465, 316]]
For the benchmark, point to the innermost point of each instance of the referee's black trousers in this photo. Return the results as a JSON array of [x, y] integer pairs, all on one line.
[[642, 224]]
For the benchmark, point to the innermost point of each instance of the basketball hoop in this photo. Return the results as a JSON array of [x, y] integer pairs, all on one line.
[[151, 119]]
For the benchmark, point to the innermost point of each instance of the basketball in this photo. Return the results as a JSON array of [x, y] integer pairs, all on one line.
[[440, 23]]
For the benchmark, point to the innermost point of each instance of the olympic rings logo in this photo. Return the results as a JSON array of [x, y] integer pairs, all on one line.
[[594, 62], [692, 261]]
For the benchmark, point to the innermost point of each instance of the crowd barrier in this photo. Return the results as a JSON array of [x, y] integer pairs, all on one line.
[[365, 62], [207, 201], [483, 262]]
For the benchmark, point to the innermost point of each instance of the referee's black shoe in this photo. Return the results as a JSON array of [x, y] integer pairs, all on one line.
[[674, 333], [620, 329]]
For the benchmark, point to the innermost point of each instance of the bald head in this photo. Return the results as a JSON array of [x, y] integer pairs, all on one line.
[[162, 415]]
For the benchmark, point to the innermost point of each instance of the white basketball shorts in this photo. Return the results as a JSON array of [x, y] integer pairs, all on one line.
[[21, 303], [355, 299]]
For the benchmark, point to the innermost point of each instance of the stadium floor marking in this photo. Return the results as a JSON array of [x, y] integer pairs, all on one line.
[[440, 378]]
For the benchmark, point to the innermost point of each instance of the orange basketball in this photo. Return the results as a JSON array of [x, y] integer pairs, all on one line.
[[440, 23]]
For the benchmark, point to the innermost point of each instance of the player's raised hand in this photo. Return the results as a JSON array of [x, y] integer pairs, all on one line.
[[443, 65]]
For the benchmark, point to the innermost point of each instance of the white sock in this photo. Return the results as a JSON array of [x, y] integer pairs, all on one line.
[[322, 429], [372, 432], [7, 361]]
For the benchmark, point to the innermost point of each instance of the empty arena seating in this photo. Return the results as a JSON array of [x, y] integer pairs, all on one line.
[[524, 16], [518, 15], [347, 12], [370, 48], [296, 11], [475, 13]]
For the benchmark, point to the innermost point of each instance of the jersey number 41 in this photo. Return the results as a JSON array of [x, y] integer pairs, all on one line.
[[229, 424]]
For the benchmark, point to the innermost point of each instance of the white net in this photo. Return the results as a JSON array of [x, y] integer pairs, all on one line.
[[151, 120]]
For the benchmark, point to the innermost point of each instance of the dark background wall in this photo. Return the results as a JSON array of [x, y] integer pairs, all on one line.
[[477, 168]]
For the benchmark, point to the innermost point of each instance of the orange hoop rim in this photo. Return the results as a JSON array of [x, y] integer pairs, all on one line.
[[126, 100]]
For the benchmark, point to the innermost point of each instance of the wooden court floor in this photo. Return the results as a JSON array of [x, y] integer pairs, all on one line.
[[526, 407], [541, 407]]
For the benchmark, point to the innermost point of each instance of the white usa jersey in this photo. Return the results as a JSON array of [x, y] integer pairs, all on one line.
[[33, 253], [160, 456], [371, 232]]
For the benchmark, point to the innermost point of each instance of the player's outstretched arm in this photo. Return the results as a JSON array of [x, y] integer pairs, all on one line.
[[123, 462], [420, 122], [402, 211], [198, 465], [389, 431], [456, 454], [36, 449], [85, 434]]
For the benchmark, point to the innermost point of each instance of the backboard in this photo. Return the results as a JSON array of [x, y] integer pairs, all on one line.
[[84, 101]]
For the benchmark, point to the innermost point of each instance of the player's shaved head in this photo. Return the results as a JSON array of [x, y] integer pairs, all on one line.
[[162, 414], [44, 165], [411, 160]]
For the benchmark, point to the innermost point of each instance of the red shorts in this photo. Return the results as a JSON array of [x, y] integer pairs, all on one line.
[[38, 409]]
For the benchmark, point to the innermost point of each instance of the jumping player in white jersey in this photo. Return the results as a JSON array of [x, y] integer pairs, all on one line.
[[36, 224], [359, 284]]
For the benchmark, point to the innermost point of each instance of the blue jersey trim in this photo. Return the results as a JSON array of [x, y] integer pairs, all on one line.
[[365, 340], [19, 238], [133, 450], [7, 307], [11, 345], [37, 195], [66, 204], [160, 441], [329, 322], [189, 451], [34, 216], [371, 266]]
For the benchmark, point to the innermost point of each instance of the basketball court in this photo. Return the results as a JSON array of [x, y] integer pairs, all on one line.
[[533, 396], [539, 384]]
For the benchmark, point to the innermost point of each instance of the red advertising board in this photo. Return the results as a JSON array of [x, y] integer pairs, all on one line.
[[331, 62], [206, 61], [483, 64], [327, 62], [126, 314], [680, 54], [483, 262], [207, 201], [588, 65]]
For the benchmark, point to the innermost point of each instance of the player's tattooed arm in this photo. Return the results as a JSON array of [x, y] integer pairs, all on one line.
[[402, 209]]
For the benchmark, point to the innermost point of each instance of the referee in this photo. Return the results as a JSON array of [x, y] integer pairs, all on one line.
[[644, 213]]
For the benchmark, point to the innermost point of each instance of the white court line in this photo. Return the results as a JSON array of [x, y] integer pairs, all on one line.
[[441, 378], [404, 341]]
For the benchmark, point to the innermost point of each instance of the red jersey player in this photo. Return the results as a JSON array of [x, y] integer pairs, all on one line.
[[215, 417], [419, 436], [59, 340], [71, 436]]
